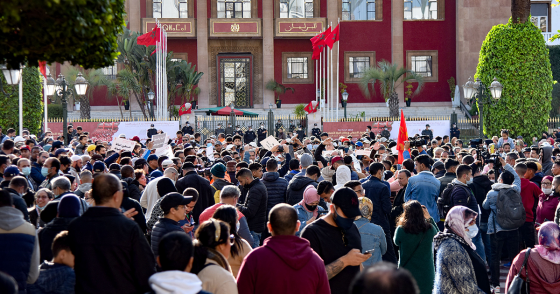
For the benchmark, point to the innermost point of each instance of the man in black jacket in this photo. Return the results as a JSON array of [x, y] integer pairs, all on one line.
[[174, 209], [297, 185], [254, 207], [480, 187], [151, 131], [191, 179], [67, 210], [249, 136], [450, 169], [111, 253]]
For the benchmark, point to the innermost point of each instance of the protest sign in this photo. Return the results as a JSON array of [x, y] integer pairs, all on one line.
[[269, 142], [362, 152], [164, 151], [122, 144], [159, 140]]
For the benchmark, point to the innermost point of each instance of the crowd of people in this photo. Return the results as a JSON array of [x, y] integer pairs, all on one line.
[[312, 214]]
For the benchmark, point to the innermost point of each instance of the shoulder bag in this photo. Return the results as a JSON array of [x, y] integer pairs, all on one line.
[[518, 285]]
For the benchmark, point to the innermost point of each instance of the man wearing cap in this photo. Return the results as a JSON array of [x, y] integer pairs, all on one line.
[[218, 172], [76, 166], [454, 132], [261, 133], [115, 169], [219, 130], [249, 136], [173, 206], [25, 152], [385, 133], [99, 167], [151, 131], [187, 129], [229, 130], [152, 163], [337, 240], [316, 131]]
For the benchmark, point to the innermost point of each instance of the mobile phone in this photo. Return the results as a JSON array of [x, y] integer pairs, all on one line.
[[369, 251]]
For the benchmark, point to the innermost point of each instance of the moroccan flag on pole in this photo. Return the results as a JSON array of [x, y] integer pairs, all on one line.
[[317, 52], [185, 109], [310, 109], [333, 37], [149, 38], [320, 38], [403, 136], [43, 68]]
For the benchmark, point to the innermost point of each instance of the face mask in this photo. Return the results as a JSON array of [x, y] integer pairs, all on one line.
[[470, 181], [26, 171], [473, 230], [44, 171], [344, 223], [310, 207], [238, 129], [492, 181], [547, 191], [309, 146], [250, 130], [262, 127]]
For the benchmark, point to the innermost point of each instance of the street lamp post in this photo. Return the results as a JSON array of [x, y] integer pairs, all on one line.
[[478, 89], [344, 101], [151, 103], [232, 114], [61, 88]]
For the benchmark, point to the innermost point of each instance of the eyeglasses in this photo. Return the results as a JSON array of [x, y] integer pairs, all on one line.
[[546, 184]]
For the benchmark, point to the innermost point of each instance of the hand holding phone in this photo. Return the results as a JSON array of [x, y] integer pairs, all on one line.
[[369, 251]]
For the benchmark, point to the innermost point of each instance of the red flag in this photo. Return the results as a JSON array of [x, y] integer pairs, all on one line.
[[149, 38], [184, 110], [320, 38], [43, 68], [403, 136], [317, 52], [333, 37], [310, 109]]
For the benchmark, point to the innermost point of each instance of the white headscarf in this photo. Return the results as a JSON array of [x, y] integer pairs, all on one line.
[[343, 176]]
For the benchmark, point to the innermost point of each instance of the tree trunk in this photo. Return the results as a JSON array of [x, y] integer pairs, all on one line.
[[394, 105], [520, 10]]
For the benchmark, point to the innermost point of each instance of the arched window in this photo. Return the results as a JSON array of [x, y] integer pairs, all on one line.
[[170, 9]]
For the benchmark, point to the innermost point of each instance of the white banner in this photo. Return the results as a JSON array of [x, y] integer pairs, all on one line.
[[122, 144], [159, 140], [140, 128], [438, 127], [269, 142], [165, 150]]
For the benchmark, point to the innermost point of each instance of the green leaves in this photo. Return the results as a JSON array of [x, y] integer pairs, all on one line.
[[32, 102], [517, 55], [82, 32]]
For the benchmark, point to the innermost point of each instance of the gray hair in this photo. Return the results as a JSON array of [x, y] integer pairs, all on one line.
[[229, 191], [170, 171], [62, 183], [86, 176]]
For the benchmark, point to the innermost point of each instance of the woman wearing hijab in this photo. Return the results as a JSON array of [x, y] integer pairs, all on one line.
[[459, 269], [373, 236], [308, 209], [548, 201], [343, 175], [414, 235], [543, 264]]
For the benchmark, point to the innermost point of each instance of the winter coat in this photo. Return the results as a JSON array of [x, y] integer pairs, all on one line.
[[546, 160], [543, 274], [547, 207], [249, 137], [255, 205], [463, 196], [139, 218], [296, 187], [19, 203], [162, 227], [205, 196], [215, 279], [46, 235], [455, 273], [150, 195], [492, 199], [133, 189], [289, 176], [172, 282], [379, 194], [82, 189], [236, 261], [36, 173], [53, 278], [19, 248], [276, 188], [480, 187], [126, 261], [273, 268]]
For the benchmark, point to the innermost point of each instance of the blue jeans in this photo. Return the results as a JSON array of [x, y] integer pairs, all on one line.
[[477, 241], [256, 239], [486, 240]]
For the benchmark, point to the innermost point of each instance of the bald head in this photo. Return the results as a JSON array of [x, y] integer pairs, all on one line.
[[283, 220], [105, 187], [384, 278]]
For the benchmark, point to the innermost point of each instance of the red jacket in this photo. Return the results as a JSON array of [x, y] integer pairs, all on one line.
[[529, 196], [284, 264]]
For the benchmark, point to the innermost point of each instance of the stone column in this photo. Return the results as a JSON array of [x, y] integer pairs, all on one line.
[[202, 53], [134, 17], [332, 17], [397, 18], [268, 51]]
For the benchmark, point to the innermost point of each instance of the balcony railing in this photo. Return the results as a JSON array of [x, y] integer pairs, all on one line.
[[547, 36]]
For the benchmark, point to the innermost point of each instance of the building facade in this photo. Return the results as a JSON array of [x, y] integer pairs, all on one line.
[[240, 45]]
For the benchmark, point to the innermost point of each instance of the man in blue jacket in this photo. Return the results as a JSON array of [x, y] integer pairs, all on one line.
[[424, 187], [380, 195]]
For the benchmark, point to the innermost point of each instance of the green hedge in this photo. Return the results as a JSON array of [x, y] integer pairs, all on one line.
[[32, 102], [54, 111], [517, 55]]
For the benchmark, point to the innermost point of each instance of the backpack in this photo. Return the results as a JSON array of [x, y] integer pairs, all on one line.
[[444, 201], [510, 213]]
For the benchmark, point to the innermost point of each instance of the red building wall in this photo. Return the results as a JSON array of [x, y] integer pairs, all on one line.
[[303, 92], [434, 35]]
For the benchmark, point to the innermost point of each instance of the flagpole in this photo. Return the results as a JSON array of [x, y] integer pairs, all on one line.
[[45, 101], [328, 84], [337, 67], [331, 82]]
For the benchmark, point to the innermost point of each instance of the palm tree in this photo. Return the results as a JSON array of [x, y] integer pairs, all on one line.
[[95, 78], [390, 77], [278, 89]]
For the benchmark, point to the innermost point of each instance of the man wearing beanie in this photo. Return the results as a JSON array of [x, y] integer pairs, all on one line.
[[68, 209], [276, 188], [306, 160], [337, 240], [218, 172]]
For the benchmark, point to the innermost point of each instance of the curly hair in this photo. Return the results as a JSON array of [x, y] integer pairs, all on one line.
[[412, 219]]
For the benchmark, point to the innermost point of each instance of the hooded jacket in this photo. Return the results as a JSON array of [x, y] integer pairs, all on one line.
[[205, 196], [296, 187], [492, 199], [46, 235], [480, 187], [546, 160], [275, 266], [133, 189], [254, 207], [171, 282], [162, 227], [53, 278], [19, 248], [82, 189], [276, 188]]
